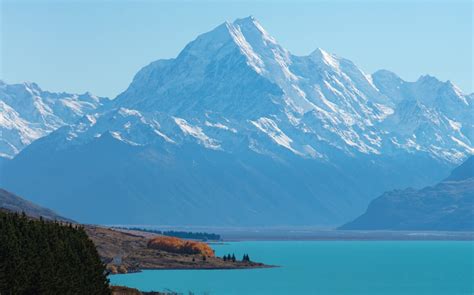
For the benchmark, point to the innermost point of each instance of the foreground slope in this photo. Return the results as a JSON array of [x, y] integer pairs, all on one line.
[[448, 205], [238, 131], [13, 203]]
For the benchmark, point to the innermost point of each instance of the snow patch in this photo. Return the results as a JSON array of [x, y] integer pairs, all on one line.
[[269, 127], [463, 144], [196, 132], [220, 126], [117, 135], [329, 59], [128, 112], [253, 59], [455, 125]]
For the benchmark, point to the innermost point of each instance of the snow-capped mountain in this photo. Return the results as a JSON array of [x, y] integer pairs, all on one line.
[[235, 87], [28, 113], [237, 119], [238, 77], [430, 116]]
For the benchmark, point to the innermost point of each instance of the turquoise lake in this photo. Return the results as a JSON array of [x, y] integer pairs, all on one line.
[[323, 267]]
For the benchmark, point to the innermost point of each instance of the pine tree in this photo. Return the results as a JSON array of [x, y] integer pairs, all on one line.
[[39, 257], [246, 258], [233, 258]]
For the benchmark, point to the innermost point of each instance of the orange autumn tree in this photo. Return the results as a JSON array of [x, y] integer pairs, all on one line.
[[176, 245]]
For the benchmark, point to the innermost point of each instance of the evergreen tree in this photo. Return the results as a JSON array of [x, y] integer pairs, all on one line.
[[233, 258], [39, 257], [246, 258]]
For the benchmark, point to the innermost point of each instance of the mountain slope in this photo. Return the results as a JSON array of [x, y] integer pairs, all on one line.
[[110, 180], [237, 130], [448, 205], [28, 113], [11, 202], [463, 172]]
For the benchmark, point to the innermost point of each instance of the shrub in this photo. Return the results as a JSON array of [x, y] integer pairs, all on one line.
[[176, 245]]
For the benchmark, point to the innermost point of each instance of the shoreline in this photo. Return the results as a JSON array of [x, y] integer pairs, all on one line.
[[128, 252], [264, 266], [308, 233], [353, 239]]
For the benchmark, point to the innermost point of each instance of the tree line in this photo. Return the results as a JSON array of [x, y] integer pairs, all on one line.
[[44, 257], [203, 236]]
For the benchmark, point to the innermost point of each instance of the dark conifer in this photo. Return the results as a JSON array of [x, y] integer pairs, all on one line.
[[246, 258], [40, 257]]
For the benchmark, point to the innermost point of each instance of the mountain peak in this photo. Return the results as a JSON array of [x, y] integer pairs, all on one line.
[[244, 32], [329, 59], [383, 73], [246, 20], [428, 79], [249, 23], [32, 85], [253, 31]]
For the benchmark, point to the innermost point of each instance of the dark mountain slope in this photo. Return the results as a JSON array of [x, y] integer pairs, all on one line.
[[448, 205], [464, 171], [11, 202]]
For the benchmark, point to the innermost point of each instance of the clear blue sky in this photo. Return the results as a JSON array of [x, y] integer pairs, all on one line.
[[98, 46]]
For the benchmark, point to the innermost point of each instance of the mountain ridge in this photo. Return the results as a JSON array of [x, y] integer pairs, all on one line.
[[27, 113], [237, 119]]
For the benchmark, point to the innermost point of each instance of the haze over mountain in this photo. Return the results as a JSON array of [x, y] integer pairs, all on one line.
[[238, 131], [28, 113], [449, 205]]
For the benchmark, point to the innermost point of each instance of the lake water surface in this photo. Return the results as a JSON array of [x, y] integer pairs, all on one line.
[[323, 267]]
